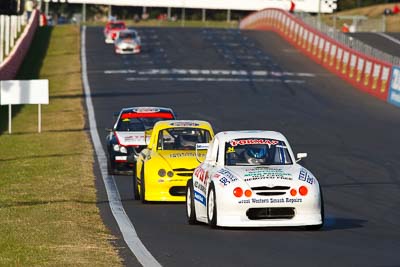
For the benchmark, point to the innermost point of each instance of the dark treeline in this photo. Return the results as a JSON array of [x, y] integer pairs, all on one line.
[[349, 4], [96, 12]]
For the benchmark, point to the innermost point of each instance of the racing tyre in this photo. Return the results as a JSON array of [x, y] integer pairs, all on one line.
[[212, 207], [142, 186], [318, 226], [136, 195], [190, 210]]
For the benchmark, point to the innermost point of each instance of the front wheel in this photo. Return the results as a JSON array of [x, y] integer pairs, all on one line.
[[142, 186], [136, 195], [212, 207], [190, 209], [318, 226]]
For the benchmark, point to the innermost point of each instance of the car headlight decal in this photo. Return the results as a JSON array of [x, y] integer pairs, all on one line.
[[122, 149], [303, 190], [170, 174], [162, 172], [116, 147]]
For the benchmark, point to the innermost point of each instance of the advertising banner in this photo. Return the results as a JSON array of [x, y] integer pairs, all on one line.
[[394, 89]]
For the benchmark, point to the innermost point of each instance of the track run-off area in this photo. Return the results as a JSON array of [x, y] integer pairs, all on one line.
[[240, 80]]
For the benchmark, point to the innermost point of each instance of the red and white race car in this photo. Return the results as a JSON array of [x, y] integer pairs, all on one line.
[[111, 30]]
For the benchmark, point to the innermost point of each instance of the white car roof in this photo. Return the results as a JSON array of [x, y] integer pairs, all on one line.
[[229, 135]]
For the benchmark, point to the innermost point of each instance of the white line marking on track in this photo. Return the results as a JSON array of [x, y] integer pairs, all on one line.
[[125, 225], [397, 41], [215, 72], [206, 79]]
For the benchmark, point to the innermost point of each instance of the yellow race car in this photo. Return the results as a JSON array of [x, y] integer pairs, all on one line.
[[167, 163]]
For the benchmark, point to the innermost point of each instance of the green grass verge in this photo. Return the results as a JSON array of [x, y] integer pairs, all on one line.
[[186, 23], [48, 211]]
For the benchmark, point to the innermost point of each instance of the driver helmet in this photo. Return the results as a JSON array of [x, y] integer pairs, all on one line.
[[256, 154]]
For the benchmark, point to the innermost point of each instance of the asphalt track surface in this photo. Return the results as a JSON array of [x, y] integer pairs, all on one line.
[[353, 141]]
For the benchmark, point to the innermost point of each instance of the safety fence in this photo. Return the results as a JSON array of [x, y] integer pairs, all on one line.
[[16, 55], [363, 71], [10, 28]]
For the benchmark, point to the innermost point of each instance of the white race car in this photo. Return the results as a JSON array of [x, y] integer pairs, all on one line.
[[252, 179], [127, 42]]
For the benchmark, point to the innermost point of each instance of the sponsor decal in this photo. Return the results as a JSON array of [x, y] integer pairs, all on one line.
[[146, 110], [253, 142], [339, 58], [394, 90], [184, 124], [346, 57], [230, 150], [227, 177], [200, 198], [360, 67], [201, 174], [270, 200], [326, 51], [375, 75], [310, 41], [315, 44], [367, 72], [186, 154], [353, 62], [384, 78], [266, 173], [305, 176], [332, 55], [320, 47], [200, 186]]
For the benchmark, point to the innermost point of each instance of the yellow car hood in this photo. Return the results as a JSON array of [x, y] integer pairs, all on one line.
[[181, 158]]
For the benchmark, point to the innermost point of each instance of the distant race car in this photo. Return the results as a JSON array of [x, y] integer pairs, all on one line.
[[130, 134], [127, 42], [111, 30], [252, 179], [169, 160]]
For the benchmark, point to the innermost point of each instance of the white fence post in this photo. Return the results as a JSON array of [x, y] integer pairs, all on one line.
[[1, 38], [12, 31], [7, 36]]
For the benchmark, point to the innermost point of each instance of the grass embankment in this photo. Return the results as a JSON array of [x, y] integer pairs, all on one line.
[[371, 12], [48, 212]]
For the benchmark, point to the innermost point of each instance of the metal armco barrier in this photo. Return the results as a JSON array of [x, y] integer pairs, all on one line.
[[364, 72], [10, 66]]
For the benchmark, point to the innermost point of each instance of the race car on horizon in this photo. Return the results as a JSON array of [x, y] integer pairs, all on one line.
[[111, 30], [130, 134], [168, 161], [127, 42], [252, 179]]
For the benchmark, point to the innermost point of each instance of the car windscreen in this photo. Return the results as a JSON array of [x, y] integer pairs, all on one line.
[[182, 138], [256, 151], [131, 121], [117, 26], [124, 35]]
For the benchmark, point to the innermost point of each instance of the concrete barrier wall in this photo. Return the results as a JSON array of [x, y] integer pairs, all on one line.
[[362, 71], [10, 66]]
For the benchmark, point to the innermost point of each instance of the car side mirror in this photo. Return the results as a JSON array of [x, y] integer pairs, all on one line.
[[201, 146], [301, 156], [109, 129]]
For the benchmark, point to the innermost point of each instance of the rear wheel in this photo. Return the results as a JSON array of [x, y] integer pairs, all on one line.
[[318, 226], [142, 186], [190, 209], [212, 207]]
